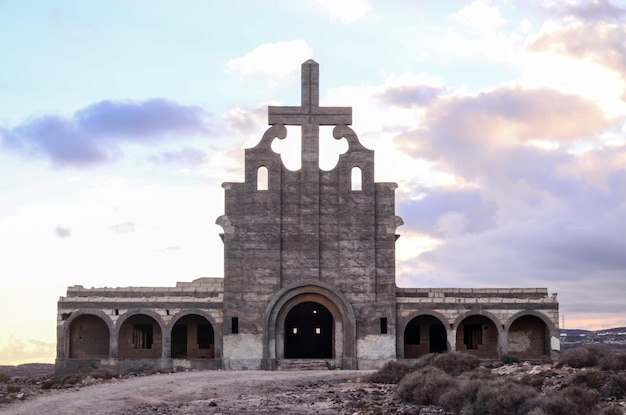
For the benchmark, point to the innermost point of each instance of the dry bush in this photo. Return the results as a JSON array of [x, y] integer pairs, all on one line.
[[4, 378], [508, 359], [455, 363], [611, 409], [13, 388], [391, 372], [459, 399], [532, 381], [612, 361], [480, 373], [589, 356], [592, 378], [571, 400], [425, 386], [615, 386], [503, 397]]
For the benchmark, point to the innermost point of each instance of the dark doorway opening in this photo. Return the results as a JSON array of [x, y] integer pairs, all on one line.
[[309, 332], [424, 334], [193, 338], [179, 341], [438, 338]]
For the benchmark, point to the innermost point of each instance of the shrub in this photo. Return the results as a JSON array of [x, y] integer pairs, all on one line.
[[460, 398], [613, 409], [571, 400], [13, 388], [615, 386], [588, 356], [391, 372], [455, 363], [533, 381], [502, 397], [4, 378], [508, 359], [591, 378], [425, 386]]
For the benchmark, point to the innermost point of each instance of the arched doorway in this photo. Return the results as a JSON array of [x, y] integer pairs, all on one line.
[[309, 332], [478, 335], [140, 336], [527, 338], [424, 334], [193, 338], [89, 338]]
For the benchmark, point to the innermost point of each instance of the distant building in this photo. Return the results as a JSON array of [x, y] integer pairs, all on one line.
[[309, 280]]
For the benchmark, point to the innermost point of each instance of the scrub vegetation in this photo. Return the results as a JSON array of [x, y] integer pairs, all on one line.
[[589, 379]]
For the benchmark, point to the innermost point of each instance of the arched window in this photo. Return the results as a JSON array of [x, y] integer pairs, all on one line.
[[357, 183], [261, 178]]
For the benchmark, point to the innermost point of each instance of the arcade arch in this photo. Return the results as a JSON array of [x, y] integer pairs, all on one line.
[[192, 337], [140, 336], [424, 334], [478, 335], [89, 337]]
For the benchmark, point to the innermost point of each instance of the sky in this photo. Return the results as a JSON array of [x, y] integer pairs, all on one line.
[[503, 123]]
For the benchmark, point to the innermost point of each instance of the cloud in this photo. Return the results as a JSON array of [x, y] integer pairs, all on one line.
[[124, 227], [602, 43], [474, 134], [139, 120], [272, 59], [187, 156], [17, 350], [588, 11], [410, 95], [348, 11], [246, 120], [92, 134], [480, 16], [62, 231], [443, 206]]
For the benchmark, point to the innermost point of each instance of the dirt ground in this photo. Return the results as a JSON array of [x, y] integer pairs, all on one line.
[[209, 392]]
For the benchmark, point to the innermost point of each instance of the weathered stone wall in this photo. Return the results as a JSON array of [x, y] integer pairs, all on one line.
[[506, 315]]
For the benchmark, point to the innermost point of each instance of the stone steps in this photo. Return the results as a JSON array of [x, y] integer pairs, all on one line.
[[306, 364]]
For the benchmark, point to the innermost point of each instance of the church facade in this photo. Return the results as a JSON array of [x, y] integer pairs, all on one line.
[[309, 279]]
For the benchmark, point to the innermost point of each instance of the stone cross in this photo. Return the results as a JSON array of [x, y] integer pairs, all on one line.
[[310, 115]]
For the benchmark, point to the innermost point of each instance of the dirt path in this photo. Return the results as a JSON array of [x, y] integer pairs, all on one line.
[[220, 392]]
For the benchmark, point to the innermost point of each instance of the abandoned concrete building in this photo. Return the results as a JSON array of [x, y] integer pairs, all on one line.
[[309, 279]]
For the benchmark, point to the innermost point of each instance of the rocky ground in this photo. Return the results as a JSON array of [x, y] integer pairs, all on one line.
[[208, 392], [29, 389]]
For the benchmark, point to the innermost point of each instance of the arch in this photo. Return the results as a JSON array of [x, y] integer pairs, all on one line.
[[192, 336], [528, 336], [87, 335], [356, 179], [423, 334], [140, 335], [478, 334], [262, 178], [344, 321]]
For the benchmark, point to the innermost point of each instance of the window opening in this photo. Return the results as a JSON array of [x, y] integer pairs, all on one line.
[[262, 178], [383, 325], [234, 325], [142, 336], [357, 182], [473, 335]]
